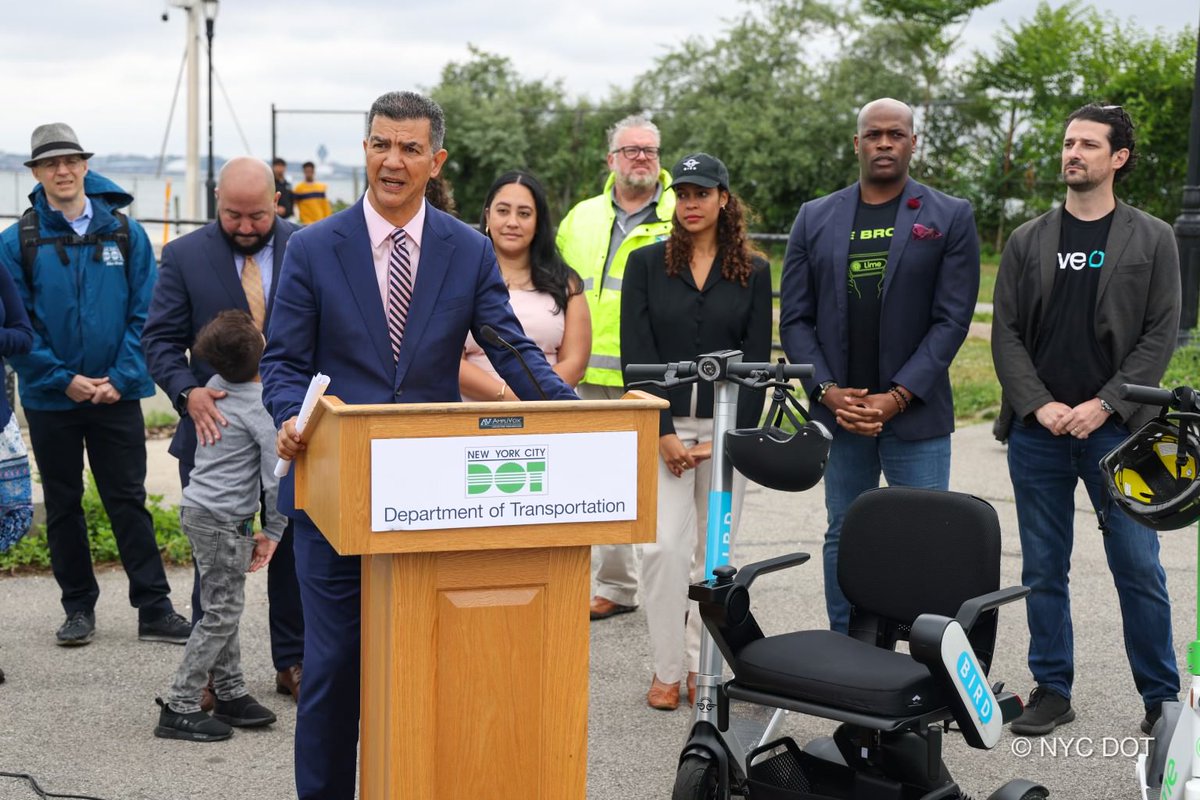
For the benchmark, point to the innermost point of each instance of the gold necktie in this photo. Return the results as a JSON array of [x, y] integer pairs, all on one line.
[[253, 287]]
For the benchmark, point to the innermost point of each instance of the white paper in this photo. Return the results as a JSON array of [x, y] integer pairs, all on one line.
[[316, 388]]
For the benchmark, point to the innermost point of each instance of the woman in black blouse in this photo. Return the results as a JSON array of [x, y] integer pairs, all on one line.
[[705, 288]]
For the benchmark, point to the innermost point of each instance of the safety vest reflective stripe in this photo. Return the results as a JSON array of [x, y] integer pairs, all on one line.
[[604, 362]]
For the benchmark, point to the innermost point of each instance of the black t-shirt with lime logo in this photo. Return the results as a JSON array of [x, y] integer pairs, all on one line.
[[1068, 358], [870, 239]]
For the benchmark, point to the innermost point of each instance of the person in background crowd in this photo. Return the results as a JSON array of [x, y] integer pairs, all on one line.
[[704, 289], [596, 238], [880, 281], [546, 294], [1087, 298], [231, 263], [284, 205], [440, 194], [85, 272], [16, 497], [311, 197]]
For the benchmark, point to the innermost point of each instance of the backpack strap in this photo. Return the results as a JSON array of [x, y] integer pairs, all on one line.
[[31, 239]]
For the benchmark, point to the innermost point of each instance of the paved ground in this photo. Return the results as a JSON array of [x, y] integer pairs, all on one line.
[[81, 720]]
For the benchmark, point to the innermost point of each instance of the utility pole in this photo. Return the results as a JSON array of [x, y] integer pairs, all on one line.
[[191, 183]]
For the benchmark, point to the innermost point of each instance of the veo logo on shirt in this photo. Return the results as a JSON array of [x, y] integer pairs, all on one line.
[[1078, 260]]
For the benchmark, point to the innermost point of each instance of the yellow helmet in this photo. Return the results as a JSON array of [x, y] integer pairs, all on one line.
[[1152, 476]]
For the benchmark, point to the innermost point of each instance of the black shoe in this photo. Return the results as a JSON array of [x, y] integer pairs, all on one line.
[[244, 712], [194, 727], [1152, 716], [1045, 711], [77, 630], [172, 628]]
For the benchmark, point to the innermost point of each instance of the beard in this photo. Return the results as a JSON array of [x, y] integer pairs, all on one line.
[[1082, 180], [248, 248], [639, 182]]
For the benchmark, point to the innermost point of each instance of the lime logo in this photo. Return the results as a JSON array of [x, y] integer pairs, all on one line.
[[506, 471]]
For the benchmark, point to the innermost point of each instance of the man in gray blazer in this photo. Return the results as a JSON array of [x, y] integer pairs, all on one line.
[[1087, 298]]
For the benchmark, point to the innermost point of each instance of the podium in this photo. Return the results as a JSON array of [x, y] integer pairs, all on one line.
[[475, 523]]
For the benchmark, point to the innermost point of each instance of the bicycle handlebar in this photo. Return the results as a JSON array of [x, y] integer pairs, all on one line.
[[1146, 395]]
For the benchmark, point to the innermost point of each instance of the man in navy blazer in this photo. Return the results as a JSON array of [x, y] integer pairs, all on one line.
[[879, 284], [201, 276], [345, 307]]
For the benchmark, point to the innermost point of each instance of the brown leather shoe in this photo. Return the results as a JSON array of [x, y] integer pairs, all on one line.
[[603, 608], [691, 688], [287, 681], [663, 696], [208, 697]]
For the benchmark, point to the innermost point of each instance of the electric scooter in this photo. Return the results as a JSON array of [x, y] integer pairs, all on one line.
[[1170, 767], [726, 371]]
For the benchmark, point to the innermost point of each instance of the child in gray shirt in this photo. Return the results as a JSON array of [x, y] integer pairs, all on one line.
[[232, 479]]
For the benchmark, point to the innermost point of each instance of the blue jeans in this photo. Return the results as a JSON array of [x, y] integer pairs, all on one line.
[[854, 466], [1045, 470]]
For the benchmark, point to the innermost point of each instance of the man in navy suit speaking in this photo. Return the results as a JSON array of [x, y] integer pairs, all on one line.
[[380, 297], [879, 284]]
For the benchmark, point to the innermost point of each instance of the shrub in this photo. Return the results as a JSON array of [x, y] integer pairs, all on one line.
[[32, 552]]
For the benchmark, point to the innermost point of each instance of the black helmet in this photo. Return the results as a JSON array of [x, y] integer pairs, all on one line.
[[772, 457], [1152, 475]]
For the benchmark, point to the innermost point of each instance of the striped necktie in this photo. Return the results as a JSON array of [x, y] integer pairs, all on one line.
[[253, 287], [399, 290]]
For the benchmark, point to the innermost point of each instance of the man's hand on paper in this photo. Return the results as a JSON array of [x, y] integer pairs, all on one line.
[[287, 443]]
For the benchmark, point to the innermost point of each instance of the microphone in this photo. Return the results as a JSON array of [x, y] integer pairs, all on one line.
[[491, 337]]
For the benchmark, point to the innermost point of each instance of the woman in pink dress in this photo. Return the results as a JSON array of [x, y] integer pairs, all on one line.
[[546, 294]]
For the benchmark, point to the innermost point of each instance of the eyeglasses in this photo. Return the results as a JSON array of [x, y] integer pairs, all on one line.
[[70, 162], [632, 152]]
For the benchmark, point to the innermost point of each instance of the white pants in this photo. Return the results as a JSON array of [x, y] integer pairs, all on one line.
[[617, 572], [676, 558]]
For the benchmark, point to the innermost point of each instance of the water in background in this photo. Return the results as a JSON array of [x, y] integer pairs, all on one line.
[[150, 198]]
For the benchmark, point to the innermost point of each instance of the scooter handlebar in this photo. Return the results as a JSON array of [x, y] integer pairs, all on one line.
[[745, 369], [687, 369], [656, 372], [1147, 395]]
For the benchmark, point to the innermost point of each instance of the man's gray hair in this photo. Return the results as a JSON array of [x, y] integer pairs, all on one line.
[[411, 105], [632, 121]]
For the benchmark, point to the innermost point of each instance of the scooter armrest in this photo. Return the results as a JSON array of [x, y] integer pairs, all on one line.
[[971, 610], [747, 574]]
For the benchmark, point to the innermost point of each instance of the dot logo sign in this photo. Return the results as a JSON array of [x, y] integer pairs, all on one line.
[[506, 471]]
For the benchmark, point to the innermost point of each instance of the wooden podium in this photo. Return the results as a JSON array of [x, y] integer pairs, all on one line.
[[474, 639]]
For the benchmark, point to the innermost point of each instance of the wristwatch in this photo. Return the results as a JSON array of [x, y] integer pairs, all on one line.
[[821, 390], [181, 401], [1105, 405]]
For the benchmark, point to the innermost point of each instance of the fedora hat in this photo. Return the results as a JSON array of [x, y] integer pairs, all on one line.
[[54, 139]]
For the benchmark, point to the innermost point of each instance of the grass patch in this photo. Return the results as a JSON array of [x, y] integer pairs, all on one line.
[[33, 553], [973, 382], [988, 267], [1184, 369], [160, 419]]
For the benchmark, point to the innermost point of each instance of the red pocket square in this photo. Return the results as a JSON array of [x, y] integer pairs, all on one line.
[[919, 231]]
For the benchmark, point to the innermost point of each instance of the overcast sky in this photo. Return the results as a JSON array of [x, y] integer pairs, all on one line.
[[109, 67]]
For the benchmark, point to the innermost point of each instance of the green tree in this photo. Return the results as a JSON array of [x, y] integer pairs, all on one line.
[[753, 97], [499, 121], [1051, 64]]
